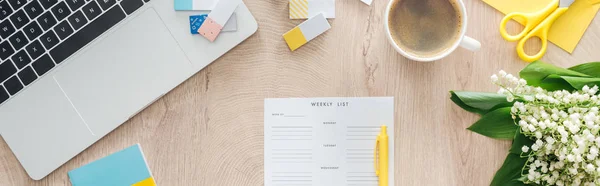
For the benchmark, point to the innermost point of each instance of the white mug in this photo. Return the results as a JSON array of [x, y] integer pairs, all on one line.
[[463, 41]]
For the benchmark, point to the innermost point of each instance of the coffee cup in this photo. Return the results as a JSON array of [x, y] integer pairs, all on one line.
[[427, 30]]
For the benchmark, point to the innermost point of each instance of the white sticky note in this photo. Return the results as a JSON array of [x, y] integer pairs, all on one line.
[[216, 20], [223, 11], [368, 2], [231, 25], [314, 27], [303, 9]]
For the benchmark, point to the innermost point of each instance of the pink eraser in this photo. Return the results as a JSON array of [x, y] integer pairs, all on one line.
[[210, 29]]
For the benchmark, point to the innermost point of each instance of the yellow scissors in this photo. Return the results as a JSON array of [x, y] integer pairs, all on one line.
[[537, 24]]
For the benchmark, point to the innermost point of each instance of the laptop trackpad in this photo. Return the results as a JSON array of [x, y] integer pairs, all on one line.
[[124, 72]]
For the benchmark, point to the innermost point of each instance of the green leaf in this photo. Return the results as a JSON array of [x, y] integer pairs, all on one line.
[[591, 69], [519, 141], [510, 172], [555, 82], [537, 71], [478, 102], [580, 82], [496, 124]]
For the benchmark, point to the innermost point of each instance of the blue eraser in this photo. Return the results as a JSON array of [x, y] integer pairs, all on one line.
[[196, 21]]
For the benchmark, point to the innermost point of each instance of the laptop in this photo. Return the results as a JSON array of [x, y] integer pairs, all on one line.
[[71, 71]]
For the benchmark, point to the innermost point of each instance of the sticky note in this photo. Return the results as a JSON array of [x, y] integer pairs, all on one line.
[[195, 4], [368, 2], [567, 30], [303, 9], [306, 31], [127, 167], [217, 18], [197, 20]]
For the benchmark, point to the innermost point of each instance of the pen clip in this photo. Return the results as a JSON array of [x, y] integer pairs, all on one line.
[[376, 160]]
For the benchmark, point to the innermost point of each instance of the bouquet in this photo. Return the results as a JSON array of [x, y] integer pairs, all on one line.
[[552, 116]]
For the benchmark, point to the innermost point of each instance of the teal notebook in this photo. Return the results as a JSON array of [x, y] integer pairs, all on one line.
[[127, 167]]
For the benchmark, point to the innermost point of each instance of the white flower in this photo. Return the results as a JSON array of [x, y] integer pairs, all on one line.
[[535, 147], [510, 98], [571, 158], [502, 73], [565, 127], [525, 148], [494, 78]]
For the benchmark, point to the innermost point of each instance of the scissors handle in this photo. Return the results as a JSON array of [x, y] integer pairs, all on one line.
[[540, 31], [530, 20]]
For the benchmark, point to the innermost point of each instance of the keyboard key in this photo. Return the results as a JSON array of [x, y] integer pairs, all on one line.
[[5, 10], [7, 69], [77, 20], [87, 34], [27, 75], [61, 11], [18, 40], [32, 30], [49, 39], [6, 29], [63, 29], [16, 4], [131, 5], [91, 10], [33, 9], [3, 95], [5, 50], [105, 4], [47, 21], [35, 49], [13, 85], [19, 19], [21, 59], [42, 65], [75, 4], [48, 3]]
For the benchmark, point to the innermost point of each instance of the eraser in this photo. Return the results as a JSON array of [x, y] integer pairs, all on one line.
[[217, 19], [306, 31], [303, 9]]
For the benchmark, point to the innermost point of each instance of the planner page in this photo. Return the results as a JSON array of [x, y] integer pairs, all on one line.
[[326, 141]]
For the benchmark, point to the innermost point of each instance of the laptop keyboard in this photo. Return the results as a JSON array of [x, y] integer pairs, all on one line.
[[37, 35]]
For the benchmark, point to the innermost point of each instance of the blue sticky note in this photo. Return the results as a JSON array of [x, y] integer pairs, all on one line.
[[196, 21], [125, 167]]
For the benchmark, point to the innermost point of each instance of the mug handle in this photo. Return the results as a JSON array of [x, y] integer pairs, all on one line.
[[470, 44]]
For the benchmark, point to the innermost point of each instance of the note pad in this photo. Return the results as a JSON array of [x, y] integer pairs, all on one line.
[[306, 31], [197, 20], [567, 30], [127, 167], [217, 18], [195, 4], [303, 9], [325, 141]]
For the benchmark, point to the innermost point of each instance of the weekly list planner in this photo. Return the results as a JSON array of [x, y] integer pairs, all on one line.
[[326, 141]]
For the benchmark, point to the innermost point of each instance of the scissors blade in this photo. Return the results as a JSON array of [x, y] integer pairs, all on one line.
[[565, 3]]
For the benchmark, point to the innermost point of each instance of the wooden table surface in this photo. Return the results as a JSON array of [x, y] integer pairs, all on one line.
[[209, 130]]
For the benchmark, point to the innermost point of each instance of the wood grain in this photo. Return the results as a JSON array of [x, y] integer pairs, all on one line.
[[209, 130]]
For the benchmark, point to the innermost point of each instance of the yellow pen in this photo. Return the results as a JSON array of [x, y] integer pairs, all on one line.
[[381, 156]]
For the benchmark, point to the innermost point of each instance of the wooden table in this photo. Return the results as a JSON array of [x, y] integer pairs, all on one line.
[[209, 130]]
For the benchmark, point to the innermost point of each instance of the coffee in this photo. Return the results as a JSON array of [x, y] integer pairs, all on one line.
[[425, 28]]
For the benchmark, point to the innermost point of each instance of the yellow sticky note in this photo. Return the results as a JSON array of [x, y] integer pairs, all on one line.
[[567, 30], [294, 38], [147, 182]]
